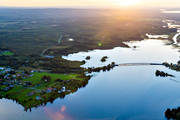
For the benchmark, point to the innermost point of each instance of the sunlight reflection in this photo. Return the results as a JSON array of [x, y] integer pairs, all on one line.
[[127, 2], [59, 115]]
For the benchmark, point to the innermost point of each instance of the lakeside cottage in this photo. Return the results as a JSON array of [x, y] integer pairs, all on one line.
[[31, 93], [63, 89], [38, 98], [49, 90], [6, 89], [1, 68]]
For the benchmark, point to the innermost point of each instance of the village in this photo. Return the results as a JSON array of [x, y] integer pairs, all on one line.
[[9, 78], [35, 88]]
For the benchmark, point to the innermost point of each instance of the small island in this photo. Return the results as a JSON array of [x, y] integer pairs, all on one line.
[[88, 58], [103, 59], [163, 74]]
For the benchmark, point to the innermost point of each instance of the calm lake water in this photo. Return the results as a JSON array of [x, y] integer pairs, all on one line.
[[124, 93]]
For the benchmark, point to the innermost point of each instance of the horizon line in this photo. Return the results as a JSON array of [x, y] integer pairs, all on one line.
[[85, 7]]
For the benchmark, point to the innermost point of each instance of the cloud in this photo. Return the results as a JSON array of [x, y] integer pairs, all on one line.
[[170, 3]]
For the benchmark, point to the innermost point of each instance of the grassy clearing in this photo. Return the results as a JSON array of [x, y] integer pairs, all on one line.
[[6, 53], [37, 77]]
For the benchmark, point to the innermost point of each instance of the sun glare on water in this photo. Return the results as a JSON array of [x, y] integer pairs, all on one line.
[[128, 2]]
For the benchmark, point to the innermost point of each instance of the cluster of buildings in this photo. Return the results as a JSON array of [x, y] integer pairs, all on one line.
[[47, 91], [9, 78]]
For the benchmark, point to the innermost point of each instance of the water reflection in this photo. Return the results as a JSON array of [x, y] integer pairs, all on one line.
[[57, 115], [156, 50]]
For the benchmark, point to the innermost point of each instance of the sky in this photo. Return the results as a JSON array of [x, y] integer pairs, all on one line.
[[90, 3]]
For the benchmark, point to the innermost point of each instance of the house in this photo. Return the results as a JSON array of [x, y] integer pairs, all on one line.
[[6, 89], [71, 39], [31, 94], [11, 86], [49, 90], [27, 83], [59, 91], [1, 68], [63, 89], [38, 98]]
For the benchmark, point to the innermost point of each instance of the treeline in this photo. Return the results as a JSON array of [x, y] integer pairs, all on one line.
[[104, 68], [172, 66], [163, 74], [60, 65]]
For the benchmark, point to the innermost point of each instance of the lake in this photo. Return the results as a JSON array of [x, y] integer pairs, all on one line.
[[126, 92]]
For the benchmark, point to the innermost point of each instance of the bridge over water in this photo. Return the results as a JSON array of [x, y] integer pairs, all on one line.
[[138, 64]]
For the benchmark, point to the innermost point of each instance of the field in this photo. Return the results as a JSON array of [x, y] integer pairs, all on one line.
[[28, 33], [6, 53], [38, 91]]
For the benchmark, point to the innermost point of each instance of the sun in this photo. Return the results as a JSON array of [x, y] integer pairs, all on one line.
[[128, 2]]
